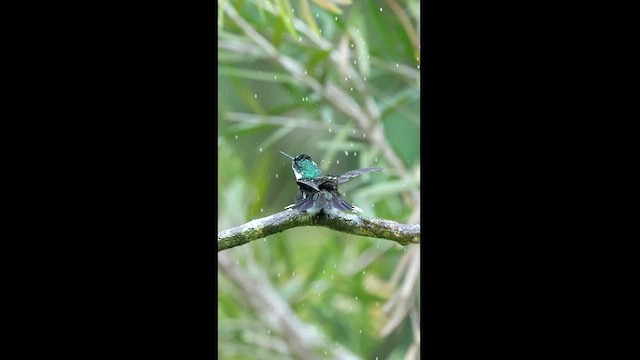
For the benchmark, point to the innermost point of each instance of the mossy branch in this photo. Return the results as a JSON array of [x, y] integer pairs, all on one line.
[[403, 234]]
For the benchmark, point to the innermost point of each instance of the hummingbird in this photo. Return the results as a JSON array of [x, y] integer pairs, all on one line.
[[317, 192]]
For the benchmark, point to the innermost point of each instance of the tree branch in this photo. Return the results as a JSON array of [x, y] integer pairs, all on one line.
[[403, 234]]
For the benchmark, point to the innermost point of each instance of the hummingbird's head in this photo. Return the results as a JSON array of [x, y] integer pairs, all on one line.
[[303, 167]]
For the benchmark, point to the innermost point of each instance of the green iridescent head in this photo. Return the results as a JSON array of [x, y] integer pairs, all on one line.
[[303, 167]]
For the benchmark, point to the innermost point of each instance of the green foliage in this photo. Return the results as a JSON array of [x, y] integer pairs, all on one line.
[[335, 281]]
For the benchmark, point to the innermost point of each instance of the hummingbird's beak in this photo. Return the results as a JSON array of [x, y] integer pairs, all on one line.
[[288, 157]]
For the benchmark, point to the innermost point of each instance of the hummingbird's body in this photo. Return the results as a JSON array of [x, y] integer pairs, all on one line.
[[317, 192]]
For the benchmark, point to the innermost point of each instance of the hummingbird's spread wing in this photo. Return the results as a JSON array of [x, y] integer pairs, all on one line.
[[307, 185], [353, 173]]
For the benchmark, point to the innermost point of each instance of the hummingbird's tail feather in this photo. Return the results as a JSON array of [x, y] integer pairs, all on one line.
[[341, 204]]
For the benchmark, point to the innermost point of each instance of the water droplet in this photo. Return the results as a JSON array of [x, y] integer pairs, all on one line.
[[317, 15], [300, 39], [364, 135], [236, 137], [380, 11], [365, 78], [355, 153], [261, 149], [352, 45], [351, 89], [418, 66], [346, 153], [375, 160], [364, 272], [360, 331], [278, 274], [305, 72], [337, 161], [345, 79], [275, 76], [356, 297], [276, 176], [329, 129], [355, 62], [336, 18], [261, 210], [255, 96]]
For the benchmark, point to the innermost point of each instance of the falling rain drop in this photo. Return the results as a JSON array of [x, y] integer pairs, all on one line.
[[351, 89], [380, 11], [336, 18], [276, 176], [255, 96], [261, 210], [360, 331], [337, 161], [375, 160], [329, 129], [365, 78], [236, 137], [364, 135], [346, 153], [355, 153], [260, 149]]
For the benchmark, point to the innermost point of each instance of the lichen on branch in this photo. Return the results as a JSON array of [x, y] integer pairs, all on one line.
[[403, 234]]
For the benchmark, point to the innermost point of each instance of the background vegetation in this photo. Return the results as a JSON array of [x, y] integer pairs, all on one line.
[[339, 81]]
